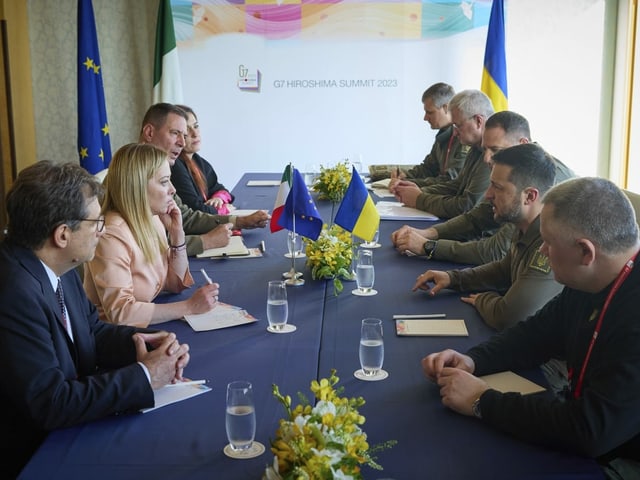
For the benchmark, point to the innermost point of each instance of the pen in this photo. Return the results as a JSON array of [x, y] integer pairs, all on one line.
[[192, 382], [262, 246], [425, 315], [206, 277]]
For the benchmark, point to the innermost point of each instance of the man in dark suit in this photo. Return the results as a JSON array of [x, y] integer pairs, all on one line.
[[61, 365]]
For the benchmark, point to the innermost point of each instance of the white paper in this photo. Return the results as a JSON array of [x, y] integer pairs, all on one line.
[[398, 211], [175, 393], [222, 316], [431, 328], [263, 183]]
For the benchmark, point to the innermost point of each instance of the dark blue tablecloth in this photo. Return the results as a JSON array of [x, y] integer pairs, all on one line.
[[185, 440]]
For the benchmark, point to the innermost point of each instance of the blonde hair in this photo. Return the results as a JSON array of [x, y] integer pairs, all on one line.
[[130, 170]]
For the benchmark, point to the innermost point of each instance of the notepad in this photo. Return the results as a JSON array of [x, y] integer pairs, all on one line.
[[511, 382], [175, 393], [398, 211], [223, 316], [263, 183], [431, 328], [236, 247]]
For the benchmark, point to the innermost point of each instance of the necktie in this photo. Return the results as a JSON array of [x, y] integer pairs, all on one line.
[[60, 295]]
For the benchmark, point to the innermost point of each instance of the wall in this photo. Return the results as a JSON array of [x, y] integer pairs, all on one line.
[[126, 35]]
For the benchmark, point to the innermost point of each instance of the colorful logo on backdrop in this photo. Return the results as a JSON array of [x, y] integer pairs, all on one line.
[[248, 80], [318, 19]]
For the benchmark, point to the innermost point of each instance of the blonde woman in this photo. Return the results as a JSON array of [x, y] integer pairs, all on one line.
[[143, 251]]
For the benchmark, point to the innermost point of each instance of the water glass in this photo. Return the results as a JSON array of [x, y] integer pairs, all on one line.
[[374, 241], [371, 346], [240, 419], [294, 244], [365, 273], [277, 306]]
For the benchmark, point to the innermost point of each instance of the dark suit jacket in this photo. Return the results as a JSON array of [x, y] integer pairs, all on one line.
[[186, 187], [47, 380]]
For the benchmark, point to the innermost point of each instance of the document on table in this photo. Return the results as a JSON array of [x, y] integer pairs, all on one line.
[[175, 393], [263, 183], [511, 382], [235, 248], [222, 316], [398, 211], [243, 212], [431, 328]]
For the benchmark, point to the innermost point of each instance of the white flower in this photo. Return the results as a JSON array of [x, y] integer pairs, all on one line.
[[323, 407]]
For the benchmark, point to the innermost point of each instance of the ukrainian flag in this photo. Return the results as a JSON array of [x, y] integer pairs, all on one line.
[[357, 213], [494, 74]]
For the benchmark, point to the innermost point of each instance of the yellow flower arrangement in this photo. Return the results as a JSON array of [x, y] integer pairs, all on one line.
[[332, 183], [329, 257], [322, 442]]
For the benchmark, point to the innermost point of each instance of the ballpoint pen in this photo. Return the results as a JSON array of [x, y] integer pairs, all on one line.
[[206, 277]]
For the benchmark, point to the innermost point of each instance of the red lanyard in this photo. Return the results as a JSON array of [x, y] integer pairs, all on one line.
[[446, 158], [622, 276]]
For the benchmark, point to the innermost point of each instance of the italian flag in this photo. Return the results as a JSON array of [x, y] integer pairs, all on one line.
[[167, 82], [283, 193]]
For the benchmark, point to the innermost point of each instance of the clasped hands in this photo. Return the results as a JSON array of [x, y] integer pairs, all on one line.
[[453, 372], [167, 360]]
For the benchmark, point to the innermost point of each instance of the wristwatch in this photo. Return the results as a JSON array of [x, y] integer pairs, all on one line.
[[475, 408], [429, 248]]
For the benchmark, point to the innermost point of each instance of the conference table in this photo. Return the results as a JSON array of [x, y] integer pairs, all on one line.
[[186, 439]]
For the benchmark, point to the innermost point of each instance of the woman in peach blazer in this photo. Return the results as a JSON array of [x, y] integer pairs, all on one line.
[[143, 250]]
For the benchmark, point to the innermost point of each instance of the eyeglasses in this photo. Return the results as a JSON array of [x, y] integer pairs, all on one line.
[[99, 222]]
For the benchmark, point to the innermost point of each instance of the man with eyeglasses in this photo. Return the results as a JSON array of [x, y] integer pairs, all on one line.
[[62, 365], [165, 126], [469, 112]]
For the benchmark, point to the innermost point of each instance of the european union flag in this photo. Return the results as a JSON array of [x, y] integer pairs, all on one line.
[[494, 74], [94, 146], [300, 213], [357, 212]]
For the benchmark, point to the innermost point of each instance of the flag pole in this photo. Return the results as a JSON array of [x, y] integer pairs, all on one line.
[[292, 277]]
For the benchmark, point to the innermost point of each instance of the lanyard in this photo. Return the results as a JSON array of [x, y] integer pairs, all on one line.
[[622, 276], [446, 158]]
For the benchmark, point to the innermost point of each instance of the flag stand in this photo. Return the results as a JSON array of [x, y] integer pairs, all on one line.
[[293, 278]]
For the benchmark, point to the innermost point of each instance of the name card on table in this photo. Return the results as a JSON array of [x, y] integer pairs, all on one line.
[[431, 328]]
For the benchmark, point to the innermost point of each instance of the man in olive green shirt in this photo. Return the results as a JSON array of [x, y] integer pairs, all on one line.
[[165, 126], [518, 285], [474, 237], [447, 155], [469, 112]]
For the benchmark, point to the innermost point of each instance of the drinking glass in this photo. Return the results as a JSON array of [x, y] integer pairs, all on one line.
[[277, 306], [374, 241], [294, 244], [241, 416], [371, 346], [365, 273]]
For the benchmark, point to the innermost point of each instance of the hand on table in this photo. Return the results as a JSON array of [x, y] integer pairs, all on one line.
[[204, 298], [257, 219], [166, 361], [433, 364], [471, 299], [407, 193], [218, 237], [439, 279], [409, 240], [459, 389]]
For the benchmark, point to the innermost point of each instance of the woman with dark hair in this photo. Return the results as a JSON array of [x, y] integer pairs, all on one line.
[[194, 178]]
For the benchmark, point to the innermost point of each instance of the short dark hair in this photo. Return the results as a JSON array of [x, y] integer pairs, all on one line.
[[515, 126], [530, 166], [157, 114], [439, 93], [597, 209], [46, 195]]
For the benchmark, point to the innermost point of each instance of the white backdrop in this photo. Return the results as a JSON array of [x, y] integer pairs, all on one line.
[[554, 68]]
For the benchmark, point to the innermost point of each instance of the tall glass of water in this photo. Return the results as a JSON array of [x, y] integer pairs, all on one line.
[[293, 244], [241, 416], [365, 273], [371, 346], [277, 306]]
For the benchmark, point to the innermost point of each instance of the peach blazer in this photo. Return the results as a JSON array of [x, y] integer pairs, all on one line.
[[120, 281]]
